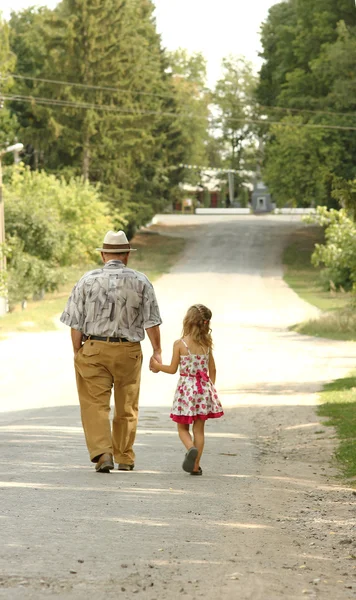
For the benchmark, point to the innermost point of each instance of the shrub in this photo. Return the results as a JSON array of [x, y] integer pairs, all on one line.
[[50, 223], [338, 254]]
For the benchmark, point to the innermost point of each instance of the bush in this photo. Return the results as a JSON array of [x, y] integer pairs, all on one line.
[[50, 223], [28, 275], [338, 254]]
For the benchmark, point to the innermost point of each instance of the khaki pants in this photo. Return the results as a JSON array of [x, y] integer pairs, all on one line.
[[99, 366]]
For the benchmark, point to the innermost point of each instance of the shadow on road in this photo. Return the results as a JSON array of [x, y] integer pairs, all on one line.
[[62, 522]]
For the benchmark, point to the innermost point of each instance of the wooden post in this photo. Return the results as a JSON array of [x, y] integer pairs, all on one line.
[[3, 302]]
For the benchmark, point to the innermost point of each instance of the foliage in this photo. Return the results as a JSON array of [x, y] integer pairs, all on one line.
[[192, 97], [235, 100], [303, 277], [345, 193], [338, 254], [27, 39], [309, 51], [295, 34], [337, 319], [49, 223], [119, 125], [130, 114], [310, 158], [28, 275], [338, 403], [8, 122]]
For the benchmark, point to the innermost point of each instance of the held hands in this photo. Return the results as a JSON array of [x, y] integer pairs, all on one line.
[[156, 359]]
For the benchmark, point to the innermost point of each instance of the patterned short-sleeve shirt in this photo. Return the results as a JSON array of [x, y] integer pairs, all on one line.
[[113, 301]]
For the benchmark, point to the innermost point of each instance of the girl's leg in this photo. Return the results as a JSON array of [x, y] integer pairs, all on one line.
[[184, 434], [198, 431]]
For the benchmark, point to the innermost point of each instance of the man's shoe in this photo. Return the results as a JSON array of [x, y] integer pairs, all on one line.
[[125, 467], [105, 463]]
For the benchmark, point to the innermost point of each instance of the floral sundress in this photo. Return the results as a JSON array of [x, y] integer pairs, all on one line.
[[195, 396]]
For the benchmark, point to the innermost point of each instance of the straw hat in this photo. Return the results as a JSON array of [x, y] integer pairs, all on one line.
[[116, 243]]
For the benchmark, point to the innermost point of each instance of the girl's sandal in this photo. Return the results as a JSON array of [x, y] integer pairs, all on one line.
[[199, 472], [189, 460]]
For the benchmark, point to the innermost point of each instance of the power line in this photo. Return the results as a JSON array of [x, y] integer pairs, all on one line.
[[103, 88], [308, 110], [139, 112], [212, 169], [163, 95], [88, 106]]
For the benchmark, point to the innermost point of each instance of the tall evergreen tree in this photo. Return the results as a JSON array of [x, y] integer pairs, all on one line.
[[36, 129], [111, 122], [8, 122]]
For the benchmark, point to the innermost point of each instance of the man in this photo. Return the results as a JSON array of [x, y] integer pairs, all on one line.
[[108, 312]]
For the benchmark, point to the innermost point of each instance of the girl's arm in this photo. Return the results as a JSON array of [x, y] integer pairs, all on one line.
[[212, 368], [172, 368]]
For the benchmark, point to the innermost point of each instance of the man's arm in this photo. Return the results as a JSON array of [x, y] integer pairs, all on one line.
[[77, 338], [154, 335], [172, 368]]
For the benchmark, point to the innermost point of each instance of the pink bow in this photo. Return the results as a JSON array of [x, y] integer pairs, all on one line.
[[201, 376]]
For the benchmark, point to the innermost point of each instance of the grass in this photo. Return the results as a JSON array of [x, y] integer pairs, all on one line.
[[339, 405], [338, 320], [155, 255]]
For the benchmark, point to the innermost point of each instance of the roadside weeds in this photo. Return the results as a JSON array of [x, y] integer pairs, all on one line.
[[338, 318], [337, 322], [338, 404]]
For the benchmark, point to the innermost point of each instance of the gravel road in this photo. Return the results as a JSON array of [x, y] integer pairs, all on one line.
[[268, 520]]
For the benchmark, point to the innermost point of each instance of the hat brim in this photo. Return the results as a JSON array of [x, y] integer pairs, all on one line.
[[117, 251]]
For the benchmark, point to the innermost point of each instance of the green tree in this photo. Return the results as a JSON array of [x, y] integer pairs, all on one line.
[[234, 97], [293, 36], [192, 100], [111, 123], [309, 50], [299, 161], [277, 37], [27, 39], [335, 68], [8, 122]]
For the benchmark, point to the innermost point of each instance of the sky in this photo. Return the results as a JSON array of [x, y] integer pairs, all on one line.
[[214, 27]]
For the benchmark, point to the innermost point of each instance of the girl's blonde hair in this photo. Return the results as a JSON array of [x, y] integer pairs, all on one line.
[[196, 323]]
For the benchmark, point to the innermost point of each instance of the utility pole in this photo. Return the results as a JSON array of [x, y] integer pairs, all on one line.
[[230, 176], [3, 302]]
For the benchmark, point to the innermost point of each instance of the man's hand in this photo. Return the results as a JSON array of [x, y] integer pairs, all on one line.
[[153, 365], [157, 355], [155, 358], [155, 339], [77, 340]]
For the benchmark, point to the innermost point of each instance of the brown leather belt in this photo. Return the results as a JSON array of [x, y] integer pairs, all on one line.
[[105, 339]]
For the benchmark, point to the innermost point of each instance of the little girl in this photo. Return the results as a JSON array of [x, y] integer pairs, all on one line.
[[195, 399]]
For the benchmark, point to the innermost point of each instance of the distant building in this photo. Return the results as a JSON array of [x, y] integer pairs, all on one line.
[[208, 193], [261, 201]]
